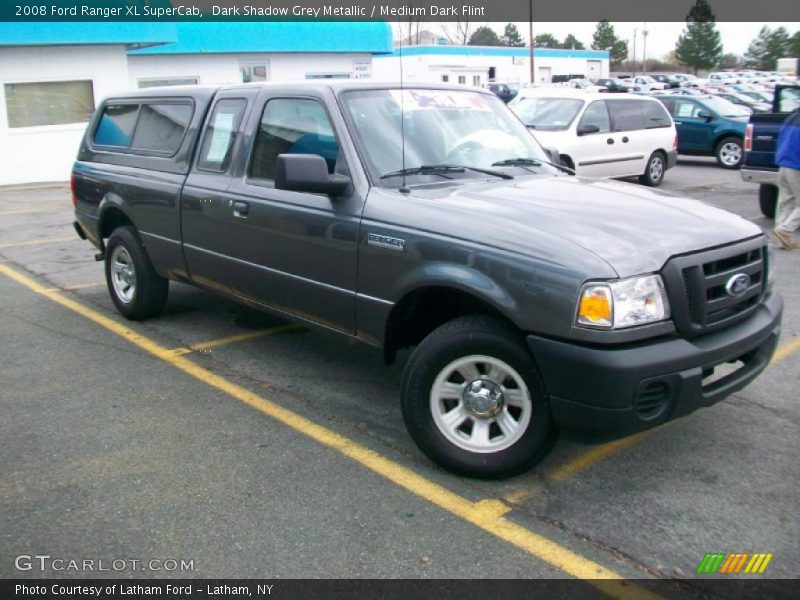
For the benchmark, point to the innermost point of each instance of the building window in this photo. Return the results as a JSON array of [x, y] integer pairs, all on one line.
[[215, 154], [49, 103], [476, 80], [148, 83], [292, 126], [254, 72], [327, 75], [462, 79], [445, 78]]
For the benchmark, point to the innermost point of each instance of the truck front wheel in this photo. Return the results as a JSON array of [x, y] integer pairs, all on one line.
[[473, 399], [768, 199], [136, 289]]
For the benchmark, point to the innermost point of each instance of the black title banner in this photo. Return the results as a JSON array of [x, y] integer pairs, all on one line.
[[394, 589], [390, 10]]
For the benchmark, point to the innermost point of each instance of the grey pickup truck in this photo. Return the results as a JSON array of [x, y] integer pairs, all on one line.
[[429, 219]]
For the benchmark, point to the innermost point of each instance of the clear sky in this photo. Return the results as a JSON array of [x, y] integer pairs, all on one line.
[[660, 39]]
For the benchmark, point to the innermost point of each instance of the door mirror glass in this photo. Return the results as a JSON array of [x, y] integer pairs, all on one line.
[[308, 173], [587, 128]]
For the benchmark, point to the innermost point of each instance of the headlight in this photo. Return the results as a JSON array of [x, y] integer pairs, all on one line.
[[625, 303]]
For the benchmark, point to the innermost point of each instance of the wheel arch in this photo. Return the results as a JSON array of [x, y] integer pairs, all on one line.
[[436, 299]]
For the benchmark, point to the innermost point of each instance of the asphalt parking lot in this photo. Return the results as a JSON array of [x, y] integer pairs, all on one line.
[[255, 449]]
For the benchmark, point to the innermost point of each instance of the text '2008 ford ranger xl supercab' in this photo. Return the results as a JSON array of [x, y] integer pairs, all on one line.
[[429, 218]]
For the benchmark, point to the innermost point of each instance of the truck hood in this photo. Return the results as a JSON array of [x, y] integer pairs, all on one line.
[[632, 228]]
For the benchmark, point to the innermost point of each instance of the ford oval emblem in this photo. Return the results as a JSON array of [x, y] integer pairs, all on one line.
[[738, 284]]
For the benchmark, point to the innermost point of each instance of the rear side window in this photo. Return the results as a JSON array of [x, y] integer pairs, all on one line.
[[147, 127], [116, 125], [292, 126], [655, 115], [596, 114], [626, 115], [215, 153], [160, 127]]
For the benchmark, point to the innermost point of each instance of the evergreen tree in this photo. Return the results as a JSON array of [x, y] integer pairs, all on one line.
[[484, 36], [699, 46], [794, 46], [770, 45], [511, 36], [605, 38], [547, 40], [572, 42]]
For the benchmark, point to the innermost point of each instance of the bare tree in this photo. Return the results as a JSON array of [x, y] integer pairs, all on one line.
[[408, 31], [457, 32]]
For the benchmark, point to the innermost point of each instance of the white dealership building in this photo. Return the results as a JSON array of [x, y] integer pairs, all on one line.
[[479, 65], [52, 75]]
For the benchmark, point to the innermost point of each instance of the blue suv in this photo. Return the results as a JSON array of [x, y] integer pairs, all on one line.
[[709, 126]]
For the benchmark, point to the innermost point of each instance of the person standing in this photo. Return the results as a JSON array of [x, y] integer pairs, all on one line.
[[787, 216]]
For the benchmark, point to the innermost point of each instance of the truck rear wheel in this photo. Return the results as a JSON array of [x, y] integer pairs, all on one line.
[[474, 402], [136, 289], [768, 199]]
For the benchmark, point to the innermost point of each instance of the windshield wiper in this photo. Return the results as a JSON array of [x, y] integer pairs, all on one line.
[[530, 162], [442, 169]]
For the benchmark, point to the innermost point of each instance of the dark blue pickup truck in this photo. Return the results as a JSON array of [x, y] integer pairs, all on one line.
[[760, 143]]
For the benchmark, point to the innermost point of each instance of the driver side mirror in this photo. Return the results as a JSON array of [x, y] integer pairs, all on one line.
[[705, 115], [308, 173], [587, 129], [553, 155]]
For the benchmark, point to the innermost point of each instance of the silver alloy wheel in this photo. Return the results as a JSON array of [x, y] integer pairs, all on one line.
[[656, 168], [730, 154], [480, 404], [123, 274]]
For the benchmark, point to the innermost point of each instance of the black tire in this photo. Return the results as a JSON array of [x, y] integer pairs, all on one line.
[[768, 199], [722, 150], [655, 170], [150, 290], [466, 337]]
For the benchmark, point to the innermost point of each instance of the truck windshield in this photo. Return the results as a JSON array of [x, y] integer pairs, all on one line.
[[452, 128]]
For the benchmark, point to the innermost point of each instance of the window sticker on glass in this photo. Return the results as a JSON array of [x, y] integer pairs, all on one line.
[[220, 139], [439, 99], [685, 109]]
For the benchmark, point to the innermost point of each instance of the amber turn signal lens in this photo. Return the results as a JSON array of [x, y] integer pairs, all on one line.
[[595, 308]]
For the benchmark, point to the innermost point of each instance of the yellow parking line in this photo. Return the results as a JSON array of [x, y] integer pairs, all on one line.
[[484, 515], [37, 242], [24, 212], [518, 496], [243, 337], [587, 459], [77, 286], [785, 350]]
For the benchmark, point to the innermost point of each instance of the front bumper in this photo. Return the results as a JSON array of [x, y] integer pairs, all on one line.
[[621, 390], [761, 176]]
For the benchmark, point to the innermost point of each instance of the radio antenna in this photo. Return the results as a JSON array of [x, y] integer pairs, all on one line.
[[403, 188]]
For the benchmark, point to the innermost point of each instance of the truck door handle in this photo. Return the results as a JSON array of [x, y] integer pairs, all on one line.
[[625, 140], [241, 209], [610, 141]]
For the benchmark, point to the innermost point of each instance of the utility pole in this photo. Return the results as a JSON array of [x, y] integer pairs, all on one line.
[[635, 34], [533, 42], [644, 49]]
